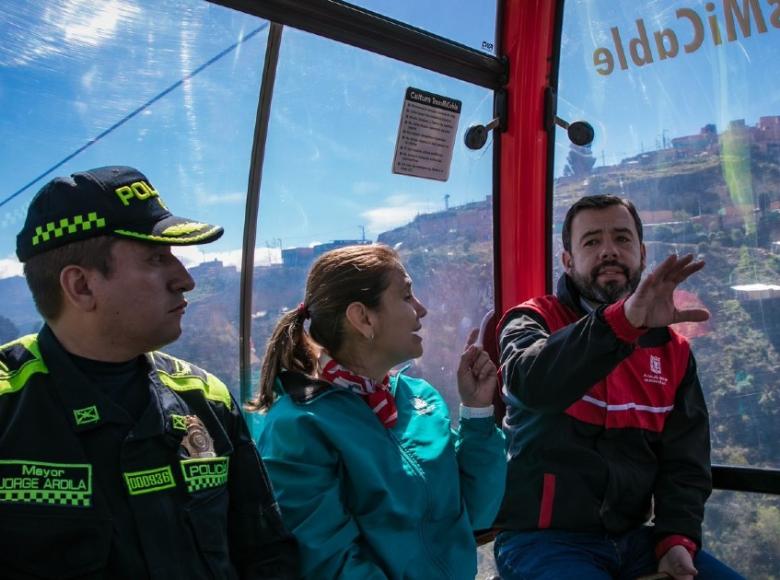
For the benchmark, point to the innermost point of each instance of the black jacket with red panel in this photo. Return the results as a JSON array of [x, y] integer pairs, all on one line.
[[605, 423]]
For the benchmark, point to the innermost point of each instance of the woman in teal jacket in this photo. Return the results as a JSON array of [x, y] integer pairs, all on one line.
[[369, 475]]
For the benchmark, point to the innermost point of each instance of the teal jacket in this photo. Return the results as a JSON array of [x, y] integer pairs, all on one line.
[[366, 502]]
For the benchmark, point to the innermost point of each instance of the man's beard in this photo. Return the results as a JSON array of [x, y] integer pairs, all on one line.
[[610, 292]]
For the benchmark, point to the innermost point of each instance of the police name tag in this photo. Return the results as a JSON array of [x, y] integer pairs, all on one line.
[[38, 482], [203, 473], [149, 480]]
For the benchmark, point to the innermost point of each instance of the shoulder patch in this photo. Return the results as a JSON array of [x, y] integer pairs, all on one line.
[[179, 375], [19, 360]]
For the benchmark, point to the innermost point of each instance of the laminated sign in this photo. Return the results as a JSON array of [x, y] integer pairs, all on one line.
[[426, 135]]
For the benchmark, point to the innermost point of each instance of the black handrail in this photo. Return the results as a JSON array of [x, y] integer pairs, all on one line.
[[752, 479], [253, 204]]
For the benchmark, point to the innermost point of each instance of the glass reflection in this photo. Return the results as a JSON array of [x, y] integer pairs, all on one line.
[[168, 87], [688, 129], [328, 181]]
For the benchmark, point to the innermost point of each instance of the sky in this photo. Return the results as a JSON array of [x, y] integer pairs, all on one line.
[[70, 70], [171, 87]]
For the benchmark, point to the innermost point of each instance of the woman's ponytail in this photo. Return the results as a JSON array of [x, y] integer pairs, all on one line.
[[290, 348]]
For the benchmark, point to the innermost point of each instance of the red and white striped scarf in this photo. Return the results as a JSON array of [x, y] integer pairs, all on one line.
[[376, 393]]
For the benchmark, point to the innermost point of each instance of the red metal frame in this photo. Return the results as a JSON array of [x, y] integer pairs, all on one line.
[[527, 41]]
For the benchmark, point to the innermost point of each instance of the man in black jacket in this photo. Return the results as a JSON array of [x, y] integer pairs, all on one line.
[[606, 422], [116, 460]]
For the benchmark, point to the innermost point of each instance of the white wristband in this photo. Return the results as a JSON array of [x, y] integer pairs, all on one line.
[[476, 412]]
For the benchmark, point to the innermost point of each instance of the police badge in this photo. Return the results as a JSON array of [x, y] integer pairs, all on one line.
[[197, 441]]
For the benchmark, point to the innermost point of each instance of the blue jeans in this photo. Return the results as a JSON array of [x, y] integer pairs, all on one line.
[[554, 554]]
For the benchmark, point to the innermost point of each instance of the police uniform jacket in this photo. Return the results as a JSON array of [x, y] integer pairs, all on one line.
[[88, 492]]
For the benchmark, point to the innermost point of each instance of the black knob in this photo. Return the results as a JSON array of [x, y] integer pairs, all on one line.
[[581, 133], [476, 136]]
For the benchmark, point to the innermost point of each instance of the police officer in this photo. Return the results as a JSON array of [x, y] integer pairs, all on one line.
[[116, 460]]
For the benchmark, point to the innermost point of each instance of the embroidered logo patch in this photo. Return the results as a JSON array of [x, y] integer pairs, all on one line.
[[179, 422], [422, 406], [205, 472], [655, 364], [149, 480], [656, 373], [86, 415], [37, 482]]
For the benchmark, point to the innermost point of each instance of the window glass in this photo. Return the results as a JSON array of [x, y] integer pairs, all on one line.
[[472, 24], [327, 181], [168, 87], [687, 126], [743, 529]]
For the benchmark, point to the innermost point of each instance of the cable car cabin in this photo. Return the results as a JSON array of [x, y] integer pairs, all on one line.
[[457, 132]]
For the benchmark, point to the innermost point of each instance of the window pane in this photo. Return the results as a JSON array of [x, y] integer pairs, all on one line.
[[168, 87], [743, 529], [327, 176], [470, 23], [687, 127]]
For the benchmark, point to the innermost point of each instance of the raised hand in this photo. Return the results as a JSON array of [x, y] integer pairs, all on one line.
[[652, 304], [678, 564], [476, 375]]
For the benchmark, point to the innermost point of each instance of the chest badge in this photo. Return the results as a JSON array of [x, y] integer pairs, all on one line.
[[197, 441]]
